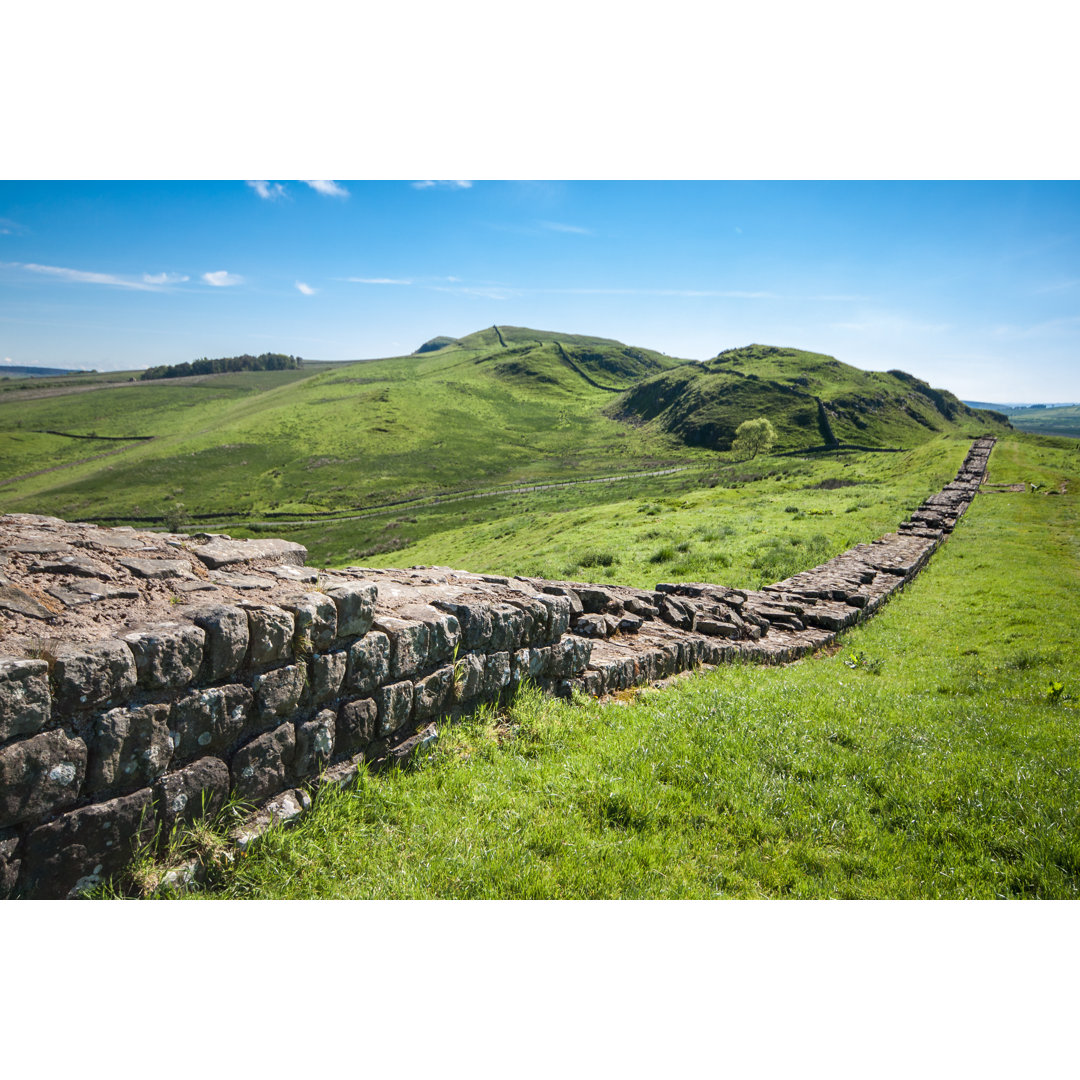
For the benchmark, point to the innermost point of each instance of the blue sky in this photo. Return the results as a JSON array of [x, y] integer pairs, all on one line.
[[971, 286]]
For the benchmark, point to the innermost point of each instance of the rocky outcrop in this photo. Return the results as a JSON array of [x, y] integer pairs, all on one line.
[[142, 682]]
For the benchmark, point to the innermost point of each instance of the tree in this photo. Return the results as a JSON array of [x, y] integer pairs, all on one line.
[[753, 437]]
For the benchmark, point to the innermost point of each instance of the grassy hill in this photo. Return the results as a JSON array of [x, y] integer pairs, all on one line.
[[1044, 419], [811, 399], [502, 408]]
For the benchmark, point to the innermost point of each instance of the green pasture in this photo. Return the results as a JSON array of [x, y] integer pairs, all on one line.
[[931, 754]]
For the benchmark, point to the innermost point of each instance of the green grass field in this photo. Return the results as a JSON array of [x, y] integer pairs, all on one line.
[[931, 754]]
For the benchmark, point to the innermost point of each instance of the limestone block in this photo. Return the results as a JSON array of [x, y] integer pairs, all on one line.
[[369, 663], [443, 630], [469, 677], [262, 767], [40, 775], [433, 693], [315, 744], [167, 655], [24, 697], [355, 603], [223, 551], [93, 676], [475, 620], [496, 673], [227, 637], [558, 616], [209, 721], [157, 569], [9, 862], [409, 641], [328, 676], [357, 725], [80, 850], [277, 692], [131, 748], [527, 664], [184, 796], [270, 633], [395, 706], [316, 620]]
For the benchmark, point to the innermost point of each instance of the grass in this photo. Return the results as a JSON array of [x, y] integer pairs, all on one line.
[[928, 756]]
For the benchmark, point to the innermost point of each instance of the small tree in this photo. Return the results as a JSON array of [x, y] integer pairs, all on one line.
[[753, 437]]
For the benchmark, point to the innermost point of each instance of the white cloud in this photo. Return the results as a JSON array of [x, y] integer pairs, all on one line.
[[327, 187], [266, 189], [221, 278], [164, 279], [379, 281], [8, 360], [88, 277], [558, 226], [454, 185], [307, 290]]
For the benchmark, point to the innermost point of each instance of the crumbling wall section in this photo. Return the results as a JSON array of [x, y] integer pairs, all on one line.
[[146, 678]]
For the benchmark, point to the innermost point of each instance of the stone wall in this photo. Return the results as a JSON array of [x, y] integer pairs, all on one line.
[[145, 678]]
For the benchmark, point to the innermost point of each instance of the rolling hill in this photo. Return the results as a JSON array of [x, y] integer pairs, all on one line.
[[503, 406], [810, 398]]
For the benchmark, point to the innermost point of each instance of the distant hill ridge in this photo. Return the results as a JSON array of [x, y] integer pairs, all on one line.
[[812, 399]]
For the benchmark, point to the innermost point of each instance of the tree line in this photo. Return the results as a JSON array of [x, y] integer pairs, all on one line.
[[224, 364]]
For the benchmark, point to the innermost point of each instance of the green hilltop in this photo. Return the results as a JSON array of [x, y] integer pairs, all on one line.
[[503, 406]]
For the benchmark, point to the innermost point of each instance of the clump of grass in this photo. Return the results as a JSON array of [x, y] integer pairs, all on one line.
[[663, 554], [598, 558]]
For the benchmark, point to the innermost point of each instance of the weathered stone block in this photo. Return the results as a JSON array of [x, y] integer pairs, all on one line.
[[315, 743], [443, 630], [9, 862], [357, 725], [93, 676], [227, 637], [184, 796], [80, 850], [558, 616], [277, 692], [40, 775], [369, 663], [598, 600], [316, 620], [355, 607], [496, 673], [409, 642], [527, 664], [24, 697], [468, 677], [131, 749], [434, 693], [209, 721], [261, 768], [536, 619], [168, 655], [224, 551], [270, 634], [395, 705], [475, 621], [328, 676]]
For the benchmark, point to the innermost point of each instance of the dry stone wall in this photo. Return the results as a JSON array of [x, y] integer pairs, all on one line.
[[146, 678]]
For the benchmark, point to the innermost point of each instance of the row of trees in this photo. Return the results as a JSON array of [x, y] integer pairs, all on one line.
[[222, 365]]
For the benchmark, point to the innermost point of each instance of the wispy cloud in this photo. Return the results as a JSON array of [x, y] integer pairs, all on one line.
[[89, 277], [267, 189], [724, 294], [307, 290], [485, 292], [10, 228], [327, 187], [453, 185], [558, 226], [164, 279], [379, 281], [221, 278], [8, 360]]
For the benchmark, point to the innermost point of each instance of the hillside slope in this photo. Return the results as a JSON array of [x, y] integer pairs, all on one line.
[[811, 399]]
